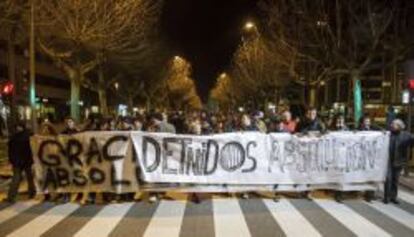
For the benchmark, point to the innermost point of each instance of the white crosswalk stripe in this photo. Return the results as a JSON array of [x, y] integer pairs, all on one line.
[[404, 195], [352, 220], [15, 209], [228, 218], [42, 223], [167, 219], [105, 221], [288, 218], [395, 213]]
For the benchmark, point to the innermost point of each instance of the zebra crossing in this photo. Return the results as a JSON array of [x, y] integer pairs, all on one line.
[[215, 216]]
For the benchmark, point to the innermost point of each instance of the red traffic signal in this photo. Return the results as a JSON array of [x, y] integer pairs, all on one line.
[[7, 88], [411, 84]]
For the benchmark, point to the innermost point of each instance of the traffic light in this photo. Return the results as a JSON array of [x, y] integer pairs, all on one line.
[[409, 74], [7, 89], [411, 84]]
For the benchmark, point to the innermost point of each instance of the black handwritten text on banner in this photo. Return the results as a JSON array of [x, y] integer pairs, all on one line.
[[255, 158], [120, 161]]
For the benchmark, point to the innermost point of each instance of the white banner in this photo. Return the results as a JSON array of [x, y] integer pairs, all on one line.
[[91, 162], [252, 158], [108, 162]]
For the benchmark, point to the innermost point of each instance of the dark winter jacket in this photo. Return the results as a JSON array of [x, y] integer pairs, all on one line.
[[20, 153], [399, 144], [311, 126]]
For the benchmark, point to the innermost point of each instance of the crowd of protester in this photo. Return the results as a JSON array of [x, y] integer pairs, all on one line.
[[204, 123]]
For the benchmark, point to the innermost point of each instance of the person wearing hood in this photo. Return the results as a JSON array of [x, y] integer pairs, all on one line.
[[21, 159]]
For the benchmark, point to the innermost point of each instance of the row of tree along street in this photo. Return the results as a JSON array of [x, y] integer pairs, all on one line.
[[115, 48], [108, 47], [311, 42]]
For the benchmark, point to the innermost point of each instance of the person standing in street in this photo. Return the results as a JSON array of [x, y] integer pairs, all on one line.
[[400, 142], [21, 159]]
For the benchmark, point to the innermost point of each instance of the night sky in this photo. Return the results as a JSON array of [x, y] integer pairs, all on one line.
[[206, 33]]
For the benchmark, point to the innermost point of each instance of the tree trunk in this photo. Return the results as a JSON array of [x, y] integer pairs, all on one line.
[[147, 102], [130, 104], [312, 96], [356, 84], [103, 102], [11, 58], [74, 98]]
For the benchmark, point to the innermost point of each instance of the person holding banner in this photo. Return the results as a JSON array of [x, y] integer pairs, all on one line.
[[400, 142], [70, 129], [311, 125], [288, 123], [20, 156], [162, 126], [365, 124], [339, 125]]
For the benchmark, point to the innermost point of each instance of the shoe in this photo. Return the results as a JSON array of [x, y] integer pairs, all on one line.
[[195, 199], [32, 195], [46, 197], [305, 195], [395, 201], [385, 201], [338, 200], [9, 200], [245, 196], [66, 198], [153, 199], [276, 199], [368, 200]]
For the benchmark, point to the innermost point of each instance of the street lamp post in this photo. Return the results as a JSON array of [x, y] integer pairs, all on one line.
[[32, 91]]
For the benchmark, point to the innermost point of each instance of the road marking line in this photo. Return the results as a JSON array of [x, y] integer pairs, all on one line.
[[44, 222], [406, 196], [352, 220], [229, 219], [105, 221], [166, 220], [15, 209], [289, 219], [395, 213]]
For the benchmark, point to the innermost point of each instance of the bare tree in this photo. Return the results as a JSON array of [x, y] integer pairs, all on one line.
[[223, 92], [180, 90], [13, 31], [258, 74], [332, 38], [81, 34]]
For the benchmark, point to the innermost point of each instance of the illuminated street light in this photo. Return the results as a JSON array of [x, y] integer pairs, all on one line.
[[249, 26], [116, 85]]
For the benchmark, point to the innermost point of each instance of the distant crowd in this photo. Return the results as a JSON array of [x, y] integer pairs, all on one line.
[[204, 123]]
